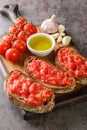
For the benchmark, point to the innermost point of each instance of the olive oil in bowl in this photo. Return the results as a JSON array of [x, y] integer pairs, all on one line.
[[41, 44]]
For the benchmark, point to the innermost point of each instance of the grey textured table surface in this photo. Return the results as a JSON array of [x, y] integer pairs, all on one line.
[[73, 14]]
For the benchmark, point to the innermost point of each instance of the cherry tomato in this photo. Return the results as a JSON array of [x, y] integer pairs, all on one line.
[[33, 30], [27, 27], [30, 27], [20, 20], [13, 29], [16, 33], [23, 35], [20, 45], [8, 38], [4, 46], [12, 54]]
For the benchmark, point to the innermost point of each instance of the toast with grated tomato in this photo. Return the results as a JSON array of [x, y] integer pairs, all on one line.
[[46, 73], [27, 94], [69, 59]]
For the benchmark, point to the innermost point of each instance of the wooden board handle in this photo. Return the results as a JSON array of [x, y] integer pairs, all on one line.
[[3, 69], [10, 11]]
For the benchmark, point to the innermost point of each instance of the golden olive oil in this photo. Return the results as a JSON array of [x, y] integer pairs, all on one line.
[[40, 43]]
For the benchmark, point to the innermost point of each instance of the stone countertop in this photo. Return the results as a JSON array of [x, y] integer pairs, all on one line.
[[73, 14]]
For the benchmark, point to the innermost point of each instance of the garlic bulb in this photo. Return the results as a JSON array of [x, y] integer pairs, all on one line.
[[50, 25]]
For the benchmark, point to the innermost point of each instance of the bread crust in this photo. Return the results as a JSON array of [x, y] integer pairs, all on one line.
[[56, 89], [81, 80], [19, 102]]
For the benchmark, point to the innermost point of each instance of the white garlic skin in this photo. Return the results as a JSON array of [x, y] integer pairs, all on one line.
[[59, 39], [62, 34], [50, 25], [66, 40], [61, 28], [55, 35]]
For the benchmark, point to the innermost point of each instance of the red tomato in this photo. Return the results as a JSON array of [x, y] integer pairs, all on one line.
[[30, 27], [16, 33], [33, 30], [12, 54], [20, 20], [14, 39], [27, 27], [23, 35], [4, 46], [13, 29], [8, 38], [20, 45]]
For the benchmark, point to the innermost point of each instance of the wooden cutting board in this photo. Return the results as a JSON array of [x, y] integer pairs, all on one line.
[[7, 66]]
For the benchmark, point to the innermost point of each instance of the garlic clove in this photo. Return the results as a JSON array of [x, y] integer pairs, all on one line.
[[61, 28], [62, 34], [50, 25], [55, 35], [66, 40], [59, 39]]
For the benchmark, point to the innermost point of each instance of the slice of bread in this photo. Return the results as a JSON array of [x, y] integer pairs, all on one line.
[[79, 79], [18, 101], [56, 88]]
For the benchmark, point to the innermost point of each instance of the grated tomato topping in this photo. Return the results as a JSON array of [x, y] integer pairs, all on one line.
[[47, 73], [75, 64], [32, 93]]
